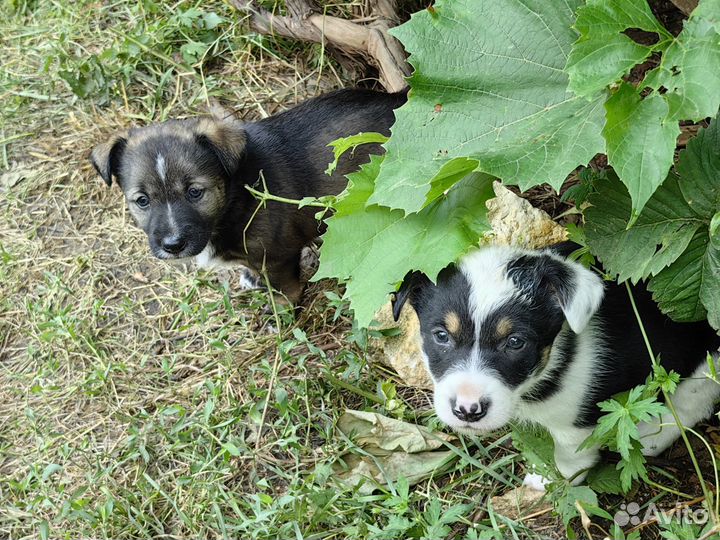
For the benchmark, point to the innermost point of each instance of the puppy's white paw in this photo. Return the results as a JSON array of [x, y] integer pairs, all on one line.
[[249, 279], [309, 262], [656, 437], [535, 481]]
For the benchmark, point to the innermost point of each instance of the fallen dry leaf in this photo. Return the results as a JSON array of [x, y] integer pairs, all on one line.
[[139, 276], [13, 176], [519, 502], [390, 449]]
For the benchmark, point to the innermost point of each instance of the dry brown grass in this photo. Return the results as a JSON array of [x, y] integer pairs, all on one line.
[[104, 351]]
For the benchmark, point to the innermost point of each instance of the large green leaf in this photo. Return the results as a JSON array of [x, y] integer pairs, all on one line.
[[640, 133], [640, 142], [690, 68], [374, 248], [710, 288], [673, 241], [689, 287], [488, 93], [699, 168], [658, 237], [603, 53]]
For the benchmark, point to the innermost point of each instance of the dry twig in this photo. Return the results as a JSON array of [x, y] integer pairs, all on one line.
[[370, 40], [686, 6]]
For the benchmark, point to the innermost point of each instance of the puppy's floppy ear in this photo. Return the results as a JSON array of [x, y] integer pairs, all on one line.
[[579, 291], [411, 289], [105, 157], [584, 298], [225, 136]]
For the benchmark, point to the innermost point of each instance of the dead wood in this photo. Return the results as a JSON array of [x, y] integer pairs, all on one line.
[[686, 6], [369, 39]]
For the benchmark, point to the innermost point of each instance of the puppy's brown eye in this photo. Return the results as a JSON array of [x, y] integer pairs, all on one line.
[[441, 336], [195, 193], [142, 201], [514, 342]]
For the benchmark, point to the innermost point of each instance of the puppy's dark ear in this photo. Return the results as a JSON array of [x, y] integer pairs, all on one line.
[[226, 137], [579, 291], [411, 289], [105, 157]]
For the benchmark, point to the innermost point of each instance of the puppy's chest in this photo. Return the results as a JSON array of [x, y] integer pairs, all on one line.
[[561, 410], [210, 259], [567, 381]]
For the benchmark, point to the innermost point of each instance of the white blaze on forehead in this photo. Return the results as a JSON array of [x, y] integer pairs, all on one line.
[[160, 166], [490, 286], [171, 220]]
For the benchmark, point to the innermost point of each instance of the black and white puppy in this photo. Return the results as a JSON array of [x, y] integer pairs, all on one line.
[[184, 180], [512, 334]]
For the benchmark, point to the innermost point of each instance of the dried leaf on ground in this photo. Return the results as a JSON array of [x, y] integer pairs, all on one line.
[[519, 502], [388, 449]]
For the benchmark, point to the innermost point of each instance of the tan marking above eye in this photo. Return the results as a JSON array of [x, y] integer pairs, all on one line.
[[504, 327], [452, 322]]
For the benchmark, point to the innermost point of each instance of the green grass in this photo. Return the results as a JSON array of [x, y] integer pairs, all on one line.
[[141, 400]]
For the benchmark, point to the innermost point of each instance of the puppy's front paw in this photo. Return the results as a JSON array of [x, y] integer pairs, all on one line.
[[572, 462], [535, 482], [309, 262], [250, 279], [656, 437]]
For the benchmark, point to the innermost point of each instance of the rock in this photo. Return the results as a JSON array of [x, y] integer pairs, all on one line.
[[402, 352], [515, 222]]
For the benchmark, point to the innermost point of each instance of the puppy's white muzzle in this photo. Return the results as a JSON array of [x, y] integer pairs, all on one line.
[[472, 400]]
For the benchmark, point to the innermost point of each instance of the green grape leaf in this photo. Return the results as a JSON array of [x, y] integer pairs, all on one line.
[[640, 134], [374, 248], [488, 93], [640, 143], [343, 144], [672, 240], [603, 54], [658, 237], [632, 467], [605, 478], [689, 289], [689, 70]]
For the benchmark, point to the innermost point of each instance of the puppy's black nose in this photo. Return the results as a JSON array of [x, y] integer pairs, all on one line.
[[469, 412], [174, 244]]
